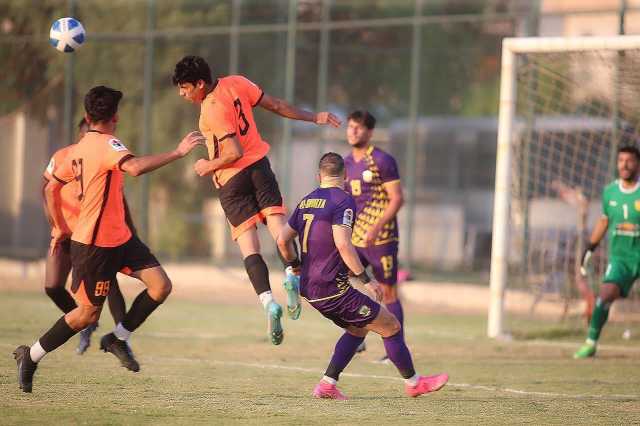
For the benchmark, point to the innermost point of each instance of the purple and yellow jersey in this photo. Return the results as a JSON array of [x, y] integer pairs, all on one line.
[[365, 179], [324, 275]]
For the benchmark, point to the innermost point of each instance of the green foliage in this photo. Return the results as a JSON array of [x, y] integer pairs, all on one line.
[[368, 67]]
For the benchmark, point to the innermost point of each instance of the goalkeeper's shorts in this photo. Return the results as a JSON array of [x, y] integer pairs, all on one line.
[[622, 272]]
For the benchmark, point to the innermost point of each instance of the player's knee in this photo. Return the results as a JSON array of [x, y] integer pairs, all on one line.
[[394, 326], [390, 324], [83, 316], [608, 294], [163, 290]]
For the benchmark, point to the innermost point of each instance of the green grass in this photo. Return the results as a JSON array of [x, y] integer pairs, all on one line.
[[204, 364]]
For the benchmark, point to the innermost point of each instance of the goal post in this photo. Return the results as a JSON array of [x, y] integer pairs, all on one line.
[[565, 105]]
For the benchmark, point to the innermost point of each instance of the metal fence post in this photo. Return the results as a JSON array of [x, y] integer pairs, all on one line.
[[69, 66], [147, 100], [289, 91], [412, 143]]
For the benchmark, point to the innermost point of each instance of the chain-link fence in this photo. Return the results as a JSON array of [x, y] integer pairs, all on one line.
[[428, 70]]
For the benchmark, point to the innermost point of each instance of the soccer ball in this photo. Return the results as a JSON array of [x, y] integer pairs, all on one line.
[[66, 35]]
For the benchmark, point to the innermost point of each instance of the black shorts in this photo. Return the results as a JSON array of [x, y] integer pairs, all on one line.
[[95, 268], [250, 196]]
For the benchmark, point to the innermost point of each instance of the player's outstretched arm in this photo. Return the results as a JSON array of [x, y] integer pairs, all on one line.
[[136, 166], [597, 235], [285, 109], [285, 243], [342, 240], [231, 152]]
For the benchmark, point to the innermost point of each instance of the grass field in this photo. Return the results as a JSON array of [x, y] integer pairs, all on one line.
[[204, 363]]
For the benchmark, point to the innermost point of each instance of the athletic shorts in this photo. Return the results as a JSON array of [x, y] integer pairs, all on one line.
[[623, 273], [351, 308], [383, 260], [250, 196], [95, 268]]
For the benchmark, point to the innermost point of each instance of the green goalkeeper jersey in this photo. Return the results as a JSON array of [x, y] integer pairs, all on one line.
[[622, 208]]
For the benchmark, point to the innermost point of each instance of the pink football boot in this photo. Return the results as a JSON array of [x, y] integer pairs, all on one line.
[[427, 384], [329, 391]]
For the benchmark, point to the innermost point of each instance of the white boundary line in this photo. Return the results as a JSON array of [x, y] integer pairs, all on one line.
[[376, 377], [391, 378]]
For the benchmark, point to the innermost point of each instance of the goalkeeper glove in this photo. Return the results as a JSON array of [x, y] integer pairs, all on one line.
[[586, 258]]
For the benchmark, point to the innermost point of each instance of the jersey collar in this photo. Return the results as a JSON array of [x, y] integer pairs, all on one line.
[[628, 190]]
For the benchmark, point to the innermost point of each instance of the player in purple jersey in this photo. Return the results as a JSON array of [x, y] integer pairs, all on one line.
[[374, 182], [323, 221]]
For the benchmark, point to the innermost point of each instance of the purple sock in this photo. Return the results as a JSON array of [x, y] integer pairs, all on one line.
[[399, 354], [396, 309], [345, 350]]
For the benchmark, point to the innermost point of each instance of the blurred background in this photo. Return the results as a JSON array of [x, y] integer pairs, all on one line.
[[429, 71]]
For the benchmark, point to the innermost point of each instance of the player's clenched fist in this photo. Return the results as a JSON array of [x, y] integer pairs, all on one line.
[[328, 118], [190, 141], [203, 167]]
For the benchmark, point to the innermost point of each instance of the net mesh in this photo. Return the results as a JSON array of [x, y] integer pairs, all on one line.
[[573, 110]]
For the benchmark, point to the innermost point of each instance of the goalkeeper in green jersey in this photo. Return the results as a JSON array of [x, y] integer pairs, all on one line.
[[621, 219]]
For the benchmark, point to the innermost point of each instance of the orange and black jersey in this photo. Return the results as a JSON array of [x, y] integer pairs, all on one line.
[[226, 112], [94, 165]]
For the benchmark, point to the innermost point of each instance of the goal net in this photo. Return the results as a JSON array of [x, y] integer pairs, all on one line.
[[567, 104]]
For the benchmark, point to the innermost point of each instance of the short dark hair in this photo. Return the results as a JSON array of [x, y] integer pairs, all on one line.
[[363, 117], [331, 164], [101, 103], [190, 69], [630, 149]]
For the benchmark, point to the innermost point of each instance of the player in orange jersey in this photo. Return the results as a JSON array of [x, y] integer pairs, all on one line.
[[239, 167], [102, 243], [58, 261]]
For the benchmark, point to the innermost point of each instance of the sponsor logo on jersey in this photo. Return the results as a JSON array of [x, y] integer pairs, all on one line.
[[347, 218], [627, 229], [117, 145], [364, 311], [613, 203]]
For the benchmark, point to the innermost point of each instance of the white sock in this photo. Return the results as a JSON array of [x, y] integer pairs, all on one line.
[[412, 381], [590, 342], [329, 380], [37, 353], [265, 298], [121, 332]]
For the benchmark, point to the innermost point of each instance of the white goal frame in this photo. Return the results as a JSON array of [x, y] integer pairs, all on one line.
[[502, 196]]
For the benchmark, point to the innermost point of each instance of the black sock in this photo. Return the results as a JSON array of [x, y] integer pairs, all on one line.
[[258, 273], [140, 310], [57, 335], [61, 298], [116, 303]]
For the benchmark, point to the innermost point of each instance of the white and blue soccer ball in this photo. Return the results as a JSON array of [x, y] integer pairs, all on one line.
[[67, 34]]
